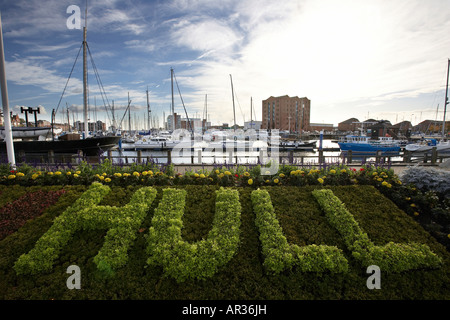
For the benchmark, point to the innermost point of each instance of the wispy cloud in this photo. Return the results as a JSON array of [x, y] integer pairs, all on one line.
[[348, 57]]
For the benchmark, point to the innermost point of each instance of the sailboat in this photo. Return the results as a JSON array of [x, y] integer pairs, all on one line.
[[427, 145], [90, 146]]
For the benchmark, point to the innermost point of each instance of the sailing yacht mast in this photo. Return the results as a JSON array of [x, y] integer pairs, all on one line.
[[251, 113], [234, 110], [446, 100], [149, 112], [85, 102], [5, 101], [173, 103]]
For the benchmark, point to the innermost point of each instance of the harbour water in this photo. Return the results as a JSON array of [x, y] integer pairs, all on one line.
[[209, 157]]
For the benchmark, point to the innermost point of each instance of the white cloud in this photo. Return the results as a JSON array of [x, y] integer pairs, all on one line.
[[332, 52]]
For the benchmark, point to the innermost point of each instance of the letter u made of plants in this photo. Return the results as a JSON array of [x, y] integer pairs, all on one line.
[[85, 214], [392, 257], [279, 255], [182, 260]]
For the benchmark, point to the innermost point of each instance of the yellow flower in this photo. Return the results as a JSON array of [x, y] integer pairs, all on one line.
[[293, 172], [102, 178], [276, 180], [221, 175], [343, 171], [75, 175], [413, 205], [20, 174], [416, 213], [68, 173], [375, 173], [282, 175], [300, 172], [389, 185], [118, 174], [107, 180], [11, 177], [228, 173], [398, 182], [58, 173], [332, 171], [136, 174], [126, 174], [144, 173], [250, 181], [78, 172], [104, 174], [150, 172], [320, 180], [267, 181], [202, 175], [50, 173], [380, 179], [407, 198], [217, 171], [196, 175], [384, 183], [34, 176], [246, 174]]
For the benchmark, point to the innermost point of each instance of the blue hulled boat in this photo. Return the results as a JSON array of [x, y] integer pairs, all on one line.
[[365, 146]]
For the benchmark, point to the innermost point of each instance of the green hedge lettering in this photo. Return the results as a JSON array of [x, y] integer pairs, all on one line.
[[85, 214], [279, 255], [392, 257], [182, 260]]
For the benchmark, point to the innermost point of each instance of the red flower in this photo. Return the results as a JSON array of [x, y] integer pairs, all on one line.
[[236, 175], [362, 169]]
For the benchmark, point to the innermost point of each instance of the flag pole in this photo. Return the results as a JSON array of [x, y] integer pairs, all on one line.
[[8, 131]]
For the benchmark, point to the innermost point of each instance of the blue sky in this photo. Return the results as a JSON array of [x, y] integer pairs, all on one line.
[[378, 59]]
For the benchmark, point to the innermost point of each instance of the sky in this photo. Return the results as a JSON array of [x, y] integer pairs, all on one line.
[[374, 59]]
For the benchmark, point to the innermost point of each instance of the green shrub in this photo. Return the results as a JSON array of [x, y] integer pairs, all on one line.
[[202, 259], [279, 255], [85, 214], [392, 257]]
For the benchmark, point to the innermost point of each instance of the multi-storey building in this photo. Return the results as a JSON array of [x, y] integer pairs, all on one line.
[[286, 113]]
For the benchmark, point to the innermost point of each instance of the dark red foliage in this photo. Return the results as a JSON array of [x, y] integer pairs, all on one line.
[[15, 214]]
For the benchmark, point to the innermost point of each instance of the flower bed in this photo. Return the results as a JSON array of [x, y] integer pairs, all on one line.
[[245, 274], [30, 205]]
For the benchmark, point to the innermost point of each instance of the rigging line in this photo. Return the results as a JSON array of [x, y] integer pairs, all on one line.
[[187, 117], [239, 104], [100, 84], [67, 82]]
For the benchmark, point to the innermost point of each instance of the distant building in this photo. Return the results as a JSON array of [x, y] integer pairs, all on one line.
[[321, 126], [92, 126], [348, 125], [169, 123], [44, 123], [196, 124], [286, 113], [431, 126]]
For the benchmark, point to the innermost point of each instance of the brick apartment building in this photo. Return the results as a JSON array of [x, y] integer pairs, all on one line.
[[286, 113]]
